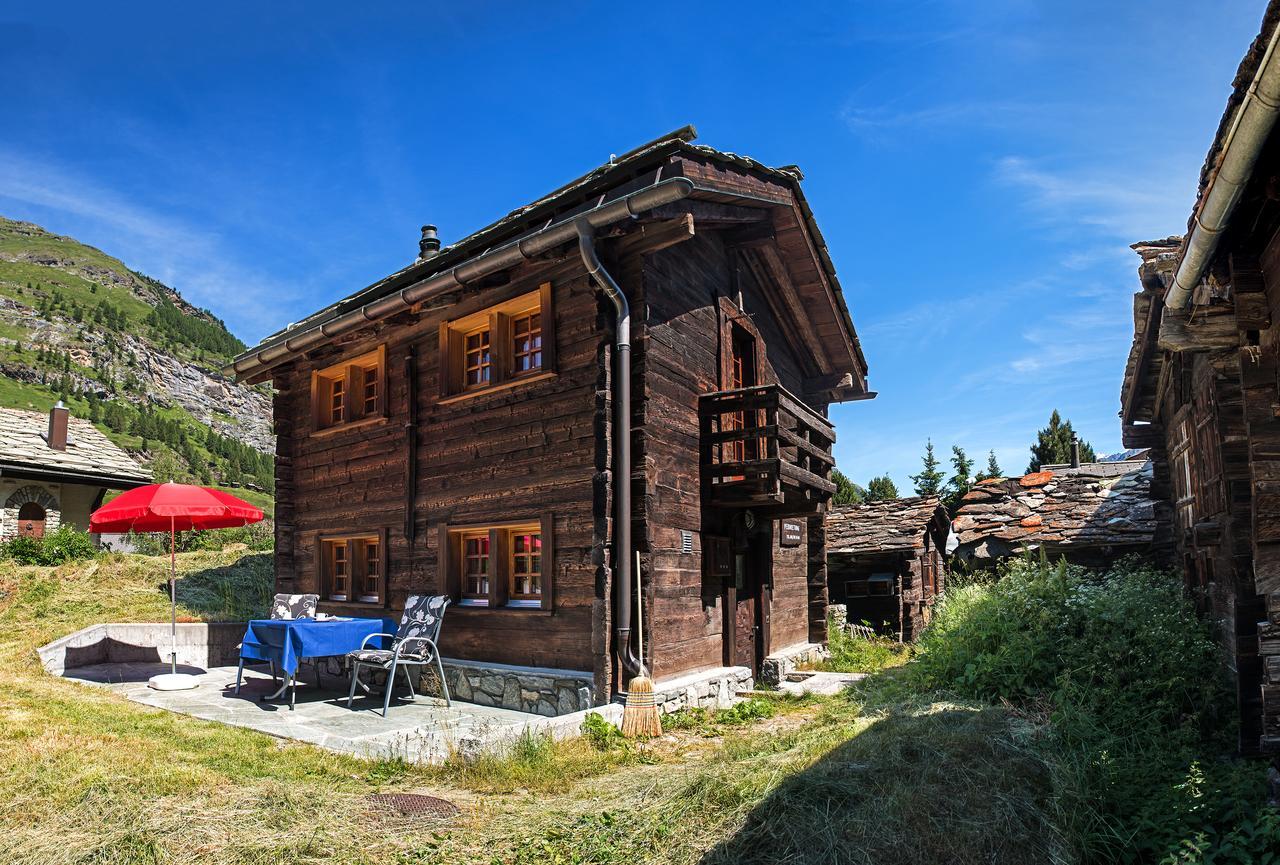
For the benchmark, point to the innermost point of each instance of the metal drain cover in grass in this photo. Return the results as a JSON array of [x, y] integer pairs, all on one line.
[[414, 805]]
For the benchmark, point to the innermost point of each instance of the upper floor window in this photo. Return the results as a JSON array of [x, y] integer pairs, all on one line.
[[351, 391], [499, 345]]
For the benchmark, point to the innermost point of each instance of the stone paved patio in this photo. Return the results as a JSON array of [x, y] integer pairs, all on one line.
[[423, 731]]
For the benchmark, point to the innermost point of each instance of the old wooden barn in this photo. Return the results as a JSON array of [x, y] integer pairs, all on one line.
[[1200, 387], [456, 427], [886, 562]]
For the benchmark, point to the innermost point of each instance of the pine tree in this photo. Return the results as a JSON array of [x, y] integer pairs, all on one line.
[[881, 489], [929, 481], [847, 492], [1053, 445], [992, 470], [962, 478]]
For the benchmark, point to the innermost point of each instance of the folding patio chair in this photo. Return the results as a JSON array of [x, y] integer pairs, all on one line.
[[284, 607], [414, 645]]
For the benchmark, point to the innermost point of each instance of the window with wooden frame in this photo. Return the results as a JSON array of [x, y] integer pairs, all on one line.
[[350, 392], [499, 346], [353, 568], [502, 565]]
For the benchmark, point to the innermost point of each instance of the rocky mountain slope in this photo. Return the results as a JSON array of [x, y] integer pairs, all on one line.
[[130, 353]]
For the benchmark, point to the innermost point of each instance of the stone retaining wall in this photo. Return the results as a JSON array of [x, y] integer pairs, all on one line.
[[776, 666], [199, 644], [709, 689], [538, 690]]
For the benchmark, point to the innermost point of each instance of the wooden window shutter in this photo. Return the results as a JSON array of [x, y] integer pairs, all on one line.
[[384, 562], [548, 561], [316, 400], [499, 567], [450, 361], [320, 581], [500, 358], [450, 558], [548, 331]]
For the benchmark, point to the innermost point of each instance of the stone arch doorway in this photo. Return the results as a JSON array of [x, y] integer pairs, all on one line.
[[31, 519], [31, 511]]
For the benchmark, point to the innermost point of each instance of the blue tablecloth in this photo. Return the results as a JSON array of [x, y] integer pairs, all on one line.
[[287, 641]]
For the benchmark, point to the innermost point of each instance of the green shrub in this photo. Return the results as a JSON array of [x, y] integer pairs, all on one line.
[[1130, 682], [602, 735], [63, 544], [851, 653], [751, 709]]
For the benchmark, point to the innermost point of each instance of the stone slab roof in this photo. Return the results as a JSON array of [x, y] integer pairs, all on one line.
[[89, 453], [1095, 505], [893, 525]]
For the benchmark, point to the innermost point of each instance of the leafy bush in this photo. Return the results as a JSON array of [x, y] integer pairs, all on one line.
[[1130, 682], [851, 653], [64, 544], [602, 735], [751, 709]]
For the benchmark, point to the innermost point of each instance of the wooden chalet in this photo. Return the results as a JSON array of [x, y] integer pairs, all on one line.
[[1201, 385], [458, 427], [886, 562]]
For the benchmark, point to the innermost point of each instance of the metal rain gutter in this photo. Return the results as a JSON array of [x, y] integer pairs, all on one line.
[[622, 447], [1250, 128], [505, 256]]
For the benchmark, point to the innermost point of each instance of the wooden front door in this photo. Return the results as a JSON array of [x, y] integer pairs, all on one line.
[[746, 640], [31, 520]]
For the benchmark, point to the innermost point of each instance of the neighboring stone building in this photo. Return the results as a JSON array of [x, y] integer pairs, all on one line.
[[1089, 514], [55, 469], [885, 562]]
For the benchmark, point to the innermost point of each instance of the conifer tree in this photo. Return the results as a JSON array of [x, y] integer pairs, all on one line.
[[881, 489], [929, 481], [992, 470], [1053, 445]]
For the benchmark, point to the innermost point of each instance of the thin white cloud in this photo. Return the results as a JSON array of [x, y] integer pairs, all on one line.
[[1129, 206], [192, 259]]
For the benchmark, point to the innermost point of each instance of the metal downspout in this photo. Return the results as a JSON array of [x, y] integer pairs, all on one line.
[[1250, 129], [622, 448]]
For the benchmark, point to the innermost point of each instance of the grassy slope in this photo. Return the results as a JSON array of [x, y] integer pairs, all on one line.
[[89, 777]]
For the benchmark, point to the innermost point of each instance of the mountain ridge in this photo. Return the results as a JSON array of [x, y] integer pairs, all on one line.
[[131, 354]]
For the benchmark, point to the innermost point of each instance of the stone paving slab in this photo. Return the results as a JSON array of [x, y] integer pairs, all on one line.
[[421, 731], [824, 684]]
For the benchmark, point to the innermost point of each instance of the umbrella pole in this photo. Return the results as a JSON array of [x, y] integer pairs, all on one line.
[[173, 602]]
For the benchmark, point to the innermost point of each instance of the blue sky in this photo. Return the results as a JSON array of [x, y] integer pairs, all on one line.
[[978, 169]]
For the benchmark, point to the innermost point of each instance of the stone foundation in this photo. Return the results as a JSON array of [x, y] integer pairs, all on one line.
[[537, 690], [775, 667], [709, 689]]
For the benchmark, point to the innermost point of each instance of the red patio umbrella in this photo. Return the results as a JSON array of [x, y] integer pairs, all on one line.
[[173, 507]]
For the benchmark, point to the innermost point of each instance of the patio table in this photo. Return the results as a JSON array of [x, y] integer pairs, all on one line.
[[287, 641]]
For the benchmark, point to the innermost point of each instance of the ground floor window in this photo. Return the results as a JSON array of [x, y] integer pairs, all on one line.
[[500, 565], [353, 568]]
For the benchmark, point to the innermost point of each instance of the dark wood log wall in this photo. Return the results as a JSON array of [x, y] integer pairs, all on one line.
[[684, 292], [510, 454]]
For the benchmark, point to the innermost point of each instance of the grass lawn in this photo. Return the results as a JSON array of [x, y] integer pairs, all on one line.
[[869, 777]]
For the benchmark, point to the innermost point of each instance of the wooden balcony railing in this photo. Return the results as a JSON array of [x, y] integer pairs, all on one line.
[[763, 448]]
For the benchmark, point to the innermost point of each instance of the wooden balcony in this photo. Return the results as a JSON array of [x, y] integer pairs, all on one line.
[[764, 449]]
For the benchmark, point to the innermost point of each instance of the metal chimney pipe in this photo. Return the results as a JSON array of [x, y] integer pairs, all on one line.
[[429, 245], [1075, 451], [57, 437]]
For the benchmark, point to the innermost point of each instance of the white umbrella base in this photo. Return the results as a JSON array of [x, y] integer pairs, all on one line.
[[173, 682]]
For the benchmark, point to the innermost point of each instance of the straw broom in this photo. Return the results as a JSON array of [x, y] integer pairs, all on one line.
[[640, 715]]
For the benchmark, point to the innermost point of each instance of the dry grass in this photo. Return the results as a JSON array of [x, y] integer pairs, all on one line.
[[91, 779]]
